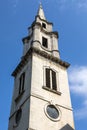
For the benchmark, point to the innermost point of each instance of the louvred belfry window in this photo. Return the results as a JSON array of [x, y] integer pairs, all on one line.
[[51, 79], [21, 83]]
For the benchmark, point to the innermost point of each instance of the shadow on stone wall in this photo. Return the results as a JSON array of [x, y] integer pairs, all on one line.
[[67, 127]]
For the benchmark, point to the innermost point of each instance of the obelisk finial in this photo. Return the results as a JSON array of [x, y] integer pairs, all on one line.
[[40, 4], [40, 12]]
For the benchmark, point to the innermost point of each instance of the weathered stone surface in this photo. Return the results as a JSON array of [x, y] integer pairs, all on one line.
[[36, 96]]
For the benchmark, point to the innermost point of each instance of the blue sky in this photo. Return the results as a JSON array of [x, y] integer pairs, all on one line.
[[70, 20]]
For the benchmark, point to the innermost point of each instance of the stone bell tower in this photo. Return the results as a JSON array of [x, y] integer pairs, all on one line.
[[41, 97]]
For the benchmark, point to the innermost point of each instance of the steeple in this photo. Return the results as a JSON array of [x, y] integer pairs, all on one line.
[[40, 12], [41, 99]]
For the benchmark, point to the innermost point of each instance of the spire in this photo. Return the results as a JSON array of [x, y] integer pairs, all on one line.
[[41, 12]]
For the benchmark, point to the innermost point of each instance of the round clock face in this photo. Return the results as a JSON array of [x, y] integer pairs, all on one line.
[[52, 111]]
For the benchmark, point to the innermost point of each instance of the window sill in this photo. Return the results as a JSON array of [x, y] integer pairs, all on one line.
[[51, 90], [45, 48], [19, 96]]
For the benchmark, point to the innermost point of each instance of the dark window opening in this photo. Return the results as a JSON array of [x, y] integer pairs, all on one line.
[[21, 83], [43, 25], [54, 80], [44, 42], [51, 79], [18, 116], [48, 77]]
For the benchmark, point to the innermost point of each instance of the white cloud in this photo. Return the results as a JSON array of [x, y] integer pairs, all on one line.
[[74, 4], [78, 80], [13, 4], [78, 86], [82, 4]]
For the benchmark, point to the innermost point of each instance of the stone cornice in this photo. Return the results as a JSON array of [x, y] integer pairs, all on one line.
[[50, 33], [25, 39], [44, 54], [46, 32], [22, 63], [51, 57], [43, 20], [43, 30]]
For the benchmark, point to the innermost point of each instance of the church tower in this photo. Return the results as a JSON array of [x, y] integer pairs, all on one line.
[[41, 97]]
